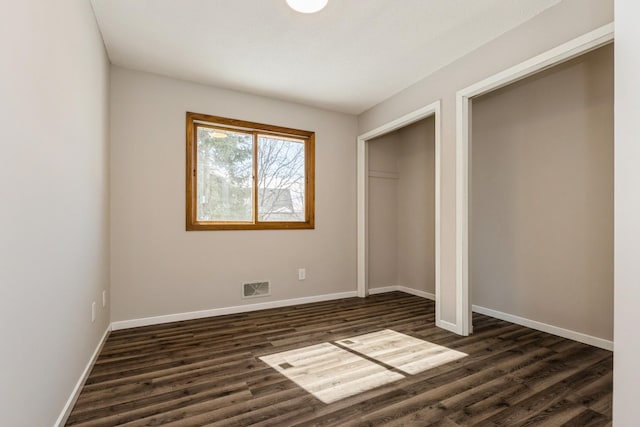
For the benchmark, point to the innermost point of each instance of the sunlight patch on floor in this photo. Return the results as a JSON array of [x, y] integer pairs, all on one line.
[[329, 372], [403, 352], [332, 373]]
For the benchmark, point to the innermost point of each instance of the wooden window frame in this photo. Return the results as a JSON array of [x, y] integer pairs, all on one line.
[[195, 120]]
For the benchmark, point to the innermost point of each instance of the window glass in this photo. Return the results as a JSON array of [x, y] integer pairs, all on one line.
[[281, 179]]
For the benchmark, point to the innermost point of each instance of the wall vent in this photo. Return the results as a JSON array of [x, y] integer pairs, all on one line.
[[256, 289]]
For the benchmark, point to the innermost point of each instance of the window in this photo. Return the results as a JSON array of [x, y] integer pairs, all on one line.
[[248, 176]]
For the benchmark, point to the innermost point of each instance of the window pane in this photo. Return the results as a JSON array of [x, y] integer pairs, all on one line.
[[281, 180], [224, 175]]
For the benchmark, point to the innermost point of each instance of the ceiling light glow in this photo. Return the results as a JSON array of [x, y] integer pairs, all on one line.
[[307, 6]]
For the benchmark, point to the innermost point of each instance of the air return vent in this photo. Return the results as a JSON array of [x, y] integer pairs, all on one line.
[[255, 289]]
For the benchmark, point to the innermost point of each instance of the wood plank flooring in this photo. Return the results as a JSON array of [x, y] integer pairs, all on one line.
[[208, 372]]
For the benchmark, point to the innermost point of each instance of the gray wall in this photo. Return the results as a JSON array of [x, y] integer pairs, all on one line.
[[54, 213], [157, 267], [559, 24], [416, 206], [401, 208], [382, 211], [541, 219], [626, 375]]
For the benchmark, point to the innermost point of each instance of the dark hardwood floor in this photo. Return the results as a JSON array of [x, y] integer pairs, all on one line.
[[208, 372]]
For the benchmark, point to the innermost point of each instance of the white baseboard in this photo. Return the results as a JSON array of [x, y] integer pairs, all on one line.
[[555, 330], [383, 290], [416, 292], [533, 324], [66, 411], [177, 317], [448, 326], [405, 289]]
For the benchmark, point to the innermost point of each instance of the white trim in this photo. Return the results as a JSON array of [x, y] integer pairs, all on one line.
[[400, 288], [406, 120], [383, 290], [177, 317], [418, 293], [544, 327], [562, 53], [362, 217], [566, 51], [438, 196], [448, 326], [66, 411], [463, 320], [432, 109]]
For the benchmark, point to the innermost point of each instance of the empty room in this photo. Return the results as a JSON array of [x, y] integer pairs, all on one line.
[[319, 212]]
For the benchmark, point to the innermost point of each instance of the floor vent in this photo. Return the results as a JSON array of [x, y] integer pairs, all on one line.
[[255, 289]]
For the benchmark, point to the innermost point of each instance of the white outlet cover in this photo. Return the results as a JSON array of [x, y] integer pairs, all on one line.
[[93, 311], [104, 298]]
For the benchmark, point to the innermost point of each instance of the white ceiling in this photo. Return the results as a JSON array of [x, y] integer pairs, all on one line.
[[348, 57]]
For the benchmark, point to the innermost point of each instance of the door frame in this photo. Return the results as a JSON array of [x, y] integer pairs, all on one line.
[[565, 52], [429, 110]]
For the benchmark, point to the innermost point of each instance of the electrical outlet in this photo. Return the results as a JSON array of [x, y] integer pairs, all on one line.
[[93, 312], [302, 273], [104, 299]]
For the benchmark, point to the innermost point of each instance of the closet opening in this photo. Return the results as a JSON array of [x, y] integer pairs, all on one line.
[[540, 206], [398, 206]]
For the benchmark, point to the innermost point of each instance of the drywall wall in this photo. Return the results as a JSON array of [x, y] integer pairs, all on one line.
[[401, 208], [559, 24], [382, 211], [626, 375], [416, 206], [157, 267], [54, 214], [541, 202]]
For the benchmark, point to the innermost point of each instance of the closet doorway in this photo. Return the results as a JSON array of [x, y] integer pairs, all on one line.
[[536, 193], [399, 205]]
